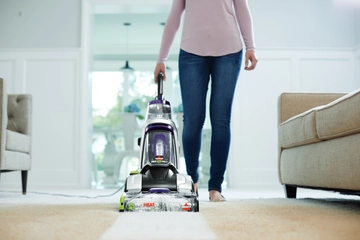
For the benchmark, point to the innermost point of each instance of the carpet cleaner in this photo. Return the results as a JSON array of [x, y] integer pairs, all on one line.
[[158, 186]]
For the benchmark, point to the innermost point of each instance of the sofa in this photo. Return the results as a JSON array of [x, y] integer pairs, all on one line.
[[319, 142]]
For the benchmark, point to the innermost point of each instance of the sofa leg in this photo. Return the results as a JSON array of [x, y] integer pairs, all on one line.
[[24, 181], [290, 191]]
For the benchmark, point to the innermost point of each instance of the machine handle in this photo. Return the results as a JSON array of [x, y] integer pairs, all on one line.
[[160, 85]]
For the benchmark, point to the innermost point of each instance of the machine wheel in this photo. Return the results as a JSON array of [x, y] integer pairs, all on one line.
[[122, 203], [196, 205]]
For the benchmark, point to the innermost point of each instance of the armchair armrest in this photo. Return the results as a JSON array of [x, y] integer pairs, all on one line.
[[292, 104], [3, 116]]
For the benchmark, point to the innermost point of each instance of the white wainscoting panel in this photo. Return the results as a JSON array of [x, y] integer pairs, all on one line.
[[53, 79], [54, 112], [254, 149]]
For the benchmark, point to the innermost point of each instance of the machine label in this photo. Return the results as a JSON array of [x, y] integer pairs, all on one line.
[[149, 204]]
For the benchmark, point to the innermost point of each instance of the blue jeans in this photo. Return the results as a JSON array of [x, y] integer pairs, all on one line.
[[195, 73]]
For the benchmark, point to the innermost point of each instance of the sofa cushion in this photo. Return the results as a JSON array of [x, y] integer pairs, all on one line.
[[340, 117], [299, 130], [17, 142]]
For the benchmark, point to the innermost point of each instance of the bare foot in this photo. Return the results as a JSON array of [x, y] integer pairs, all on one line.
[[215, 196], [196, 186]]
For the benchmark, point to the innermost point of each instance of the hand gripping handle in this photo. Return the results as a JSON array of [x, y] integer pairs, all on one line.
[[160, 86]]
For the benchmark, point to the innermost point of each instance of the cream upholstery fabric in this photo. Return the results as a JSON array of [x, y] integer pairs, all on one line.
[[15, 130], [292, 104], [17, 161], [304, 158], [328, 164], [17, 142], [340, 117], [300, 129]]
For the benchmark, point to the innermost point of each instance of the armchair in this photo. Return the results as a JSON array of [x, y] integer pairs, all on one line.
[[15, 133]]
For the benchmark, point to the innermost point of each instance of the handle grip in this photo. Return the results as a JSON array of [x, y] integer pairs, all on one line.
[[160, 86]]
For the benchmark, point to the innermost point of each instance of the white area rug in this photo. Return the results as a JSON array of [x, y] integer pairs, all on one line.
[[159, 225]]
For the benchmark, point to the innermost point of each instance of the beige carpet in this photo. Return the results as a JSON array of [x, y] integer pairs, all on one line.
[[37, 216], [285, 219]]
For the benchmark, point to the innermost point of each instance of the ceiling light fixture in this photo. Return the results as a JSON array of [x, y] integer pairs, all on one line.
[[127, 65]]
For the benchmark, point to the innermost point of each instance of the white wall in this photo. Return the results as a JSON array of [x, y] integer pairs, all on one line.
[[49, 64], [40, 23], [357, 62], [357, 25], [302, 24]]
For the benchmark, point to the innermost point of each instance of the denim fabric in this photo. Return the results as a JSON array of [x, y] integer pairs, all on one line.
[[195, 73]]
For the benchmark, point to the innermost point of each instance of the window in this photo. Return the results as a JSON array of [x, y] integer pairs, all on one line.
[[113, 95]]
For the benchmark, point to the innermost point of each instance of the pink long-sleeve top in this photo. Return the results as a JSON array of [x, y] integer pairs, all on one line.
[[211, 27]]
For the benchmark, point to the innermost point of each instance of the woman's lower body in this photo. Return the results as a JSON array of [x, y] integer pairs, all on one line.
[[195, 73]]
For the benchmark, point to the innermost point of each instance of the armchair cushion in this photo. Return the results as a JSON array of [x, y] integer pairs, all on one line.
[[17, 142]]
